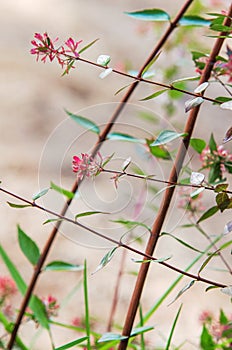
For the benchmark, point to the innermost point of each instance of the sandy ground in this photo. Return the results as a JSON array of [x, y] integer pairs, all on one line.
[[37, 144]]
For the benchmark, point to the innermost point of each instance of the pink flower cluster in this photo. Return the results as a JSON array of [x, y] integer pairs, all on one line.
[[44, 48], [86, 165], [227, 67], [7, 287], [215, 327], [51, 305], [221, 155]]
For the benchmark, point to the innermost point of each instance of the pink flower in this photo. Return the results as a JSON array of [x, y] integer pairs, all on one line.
[[51, 305], [76, 322], [7, 287], [206, 317], [86, 165], [221, 156], [72, 45], [44, 47]]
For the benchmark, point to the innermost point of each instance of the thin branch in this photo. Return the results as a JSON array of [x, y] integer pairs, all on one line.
[[102, 138], [162, 213], [112, 240]]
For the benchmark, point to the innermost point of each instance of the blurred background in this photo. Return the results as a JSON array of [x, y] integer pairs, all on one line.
[[38, 141]]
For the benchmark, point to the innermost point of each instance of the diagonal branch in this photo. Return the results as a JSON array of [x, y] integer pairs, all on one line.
[[102, 138], [157, 226]]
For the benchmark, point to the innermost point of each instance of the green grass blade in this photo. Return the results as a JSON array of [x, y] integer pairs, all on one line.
[[173, 328], [87, 324]]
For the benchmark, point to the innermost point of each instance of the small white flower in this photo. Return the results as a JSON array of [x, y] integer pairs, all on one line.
[[105, 73], [201, 87], [197, 178], [103, 60]]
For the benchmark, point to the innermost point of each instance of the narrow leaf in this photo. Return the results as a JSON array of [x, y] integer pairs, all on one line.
[[18, 206], [124, 137], [207, 342], [88, 213], [155, 94], [150, 15], [202, 87], [152, 260], [140, 330], [105, 74], [40, 193], [35, 303], [173, 328], [122, 88], [86, 300], [71, 344], [190, 104], [106, 259], [111, 336], [207, 260], [88, 46], [28, 247], [208, 213], [195, 21], [51, 220], [167, 136], [131, 224], [195, 193], [197, 144], [66, 193], [148, 66], [181, 242], [86, 123], [62, 266], [183, 290]]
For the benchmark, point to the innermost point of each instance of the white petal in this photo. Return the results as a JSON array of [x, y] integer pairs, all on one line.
[[105, 73], [126, 163], [227, 290], [196, 178], [226, 105], [228, 228], [201, 87], [103, 60], [189, 104]]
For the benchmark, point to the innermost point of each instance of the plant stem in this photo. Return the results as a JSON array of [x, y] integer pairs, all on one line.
[[117, 243], [102, 138], [158, 223]]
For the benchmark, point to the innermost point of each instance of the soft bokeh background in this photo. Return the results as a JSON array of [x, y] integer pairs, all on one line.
[[37, 143]]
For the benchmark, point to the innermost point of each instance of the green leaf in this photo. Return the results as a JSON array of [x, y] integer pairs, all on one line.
[[28, 247], [66, 193], [207, 342], [86, 123], [212, 144], [173, 328], [210, 288], [221, 188], [152, 260], [196, 21], [71, 344], [207, 260], [111, 336], [148, 66], [130, 224], [150, 15], [35, 303], [18, 206], [62, 266], [155, 94], [208, 213], [106, 259], [197, 144], [140, 330], [167, 136], [183, 290], [51, 220], [40, 193], [118, 136], [87, 46], [220, 28], [223, 319], [215, 173], [88, 213], [122, 88], [86, 300], [222, 99], [222, 200], [181, 242]]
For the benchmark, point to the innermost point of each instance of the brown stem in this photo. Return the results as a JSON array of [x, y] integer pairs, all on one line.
[[102, 138], [112, 240], [135, 299]]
